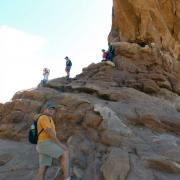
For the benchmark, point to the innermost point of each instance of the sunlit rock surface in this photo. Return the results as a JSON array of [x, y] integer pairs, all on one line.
[[120, 122], [146, 21]]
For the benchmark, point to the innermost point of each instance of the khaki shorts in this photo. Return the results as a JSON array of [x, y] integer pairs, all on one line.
[[47, 151]]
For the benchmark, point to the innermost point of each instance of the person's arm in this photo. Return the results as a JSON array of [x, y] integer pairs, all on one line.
[[53, 137]]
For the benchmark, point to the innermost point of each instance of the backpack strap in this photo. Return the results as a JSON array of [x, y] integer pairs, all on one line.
[[41, 131], [37, 123]]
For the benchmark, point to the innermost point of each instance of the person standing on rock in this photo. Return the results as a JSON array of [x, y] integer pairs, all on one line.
[[110, 52], [68, 67], [49, 146]]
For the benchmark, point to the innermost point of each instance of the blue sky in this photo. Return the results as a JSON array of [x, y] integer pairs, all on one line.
[[39, 33]]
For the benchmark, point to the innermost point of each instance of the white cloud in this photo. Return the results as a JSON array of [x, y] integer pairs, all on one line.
[[23, 56], [19, 54], [16, 43]]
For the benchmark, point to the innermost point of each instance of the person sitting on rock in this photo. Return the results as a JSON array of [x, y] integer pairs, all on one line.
[[104, 55], [48, 145], [68, 67], [44, 81], [46, 73]]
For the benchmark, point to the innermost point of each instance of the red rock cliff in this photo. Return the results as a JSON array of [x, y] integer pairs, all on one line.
[[147, 21], [119, 122]]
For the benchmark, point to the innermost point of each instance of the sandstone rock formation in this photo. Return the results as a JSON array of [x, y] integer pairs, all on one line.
[[120, 122], [147, 21], [104, 125]]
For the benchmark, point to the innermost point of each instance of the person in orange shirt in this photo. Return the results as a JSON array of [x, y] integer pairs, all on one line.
[[49, 146]]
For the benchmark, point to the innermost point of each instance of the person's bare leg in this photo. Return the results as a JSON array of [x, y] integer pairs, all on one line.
[[41, 173], [64, 162]]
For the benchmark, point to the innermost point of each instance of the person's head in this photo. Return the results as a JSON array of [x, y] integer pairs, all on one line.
[[66, 58], [49, 109], [103, 50], [46, 69]]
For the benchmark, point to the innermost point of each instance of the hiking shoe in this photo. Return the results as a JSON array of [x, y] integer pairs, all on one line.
[[69, 178], [73, 178]]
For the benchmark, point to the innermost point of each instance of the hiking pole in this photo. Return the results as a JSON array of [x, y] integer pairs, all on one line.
[[56, 174]]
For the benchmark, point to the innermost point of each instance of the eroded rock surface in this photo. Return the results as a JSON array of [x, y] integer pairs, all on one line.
[[120, 121], [98, 123], [146, 21]]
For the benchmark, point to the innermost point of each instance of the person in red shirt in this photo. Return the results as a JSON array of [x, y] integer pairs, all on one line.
[[104, 55]]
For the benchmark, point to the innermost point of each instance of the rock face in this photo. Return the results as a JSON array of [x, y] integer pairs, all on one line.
[[104, 126], [146, 21], [120, 121]]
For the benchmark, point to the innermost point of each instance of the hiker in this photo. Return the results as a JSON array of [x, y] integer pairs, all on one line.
[[68, 66], [104, 55], [110, 52], [44, 81], [49, 146], [46, 72]]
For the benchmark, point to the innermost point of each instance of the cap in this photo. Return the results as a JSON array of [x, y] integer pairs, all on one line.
[[50, 105], [66, 57]]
